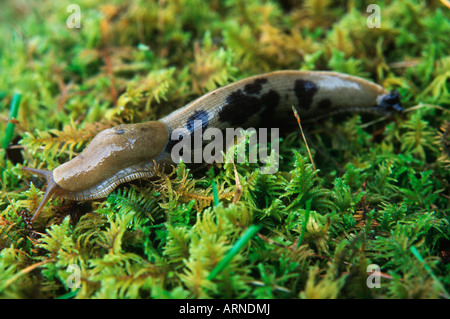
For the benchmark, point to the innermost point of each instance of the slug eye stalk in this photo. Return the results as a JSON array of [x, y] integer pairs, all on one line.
[[52, 188]]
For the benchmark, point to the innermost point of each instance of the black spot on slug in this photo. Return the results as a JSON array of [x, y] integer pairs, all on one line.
[[174, 139], [305, 91], [240, 106], [255, 87], [324, 104], [270, 102], [198, 116]]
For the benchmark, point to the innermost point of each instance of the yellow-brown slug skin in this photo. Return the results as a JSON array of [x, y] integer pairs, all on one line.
[[128, 152]]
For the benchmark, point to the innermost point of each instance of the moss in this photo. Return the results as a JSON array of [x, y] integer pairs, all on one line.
[[377, 193]]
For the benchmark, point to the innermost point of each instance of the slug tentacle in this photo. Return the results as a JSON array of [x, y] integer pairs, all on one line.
[[52, 188], [127, 152]]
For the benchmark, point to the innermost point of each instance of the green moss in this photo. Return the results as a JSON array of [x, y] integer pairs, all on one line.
[[378, 192]]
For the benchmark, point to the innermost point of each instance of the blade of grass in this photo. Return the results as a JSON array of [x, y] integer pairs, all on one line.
[[238, 245], [69, 295], [210, 174], [416, 254], [305, 222], [13, 111]]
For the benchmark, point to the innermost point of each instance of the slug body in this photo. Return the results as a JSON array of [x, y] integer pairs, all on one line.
[[130, 151]]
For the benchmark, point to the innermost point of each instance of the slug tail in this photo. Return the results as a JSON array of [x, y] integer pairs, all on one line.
[[51, 189], [391, 102]]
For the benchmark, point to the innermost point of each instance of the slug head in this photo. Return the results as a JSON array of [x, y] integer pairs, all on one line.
[[110, 152]]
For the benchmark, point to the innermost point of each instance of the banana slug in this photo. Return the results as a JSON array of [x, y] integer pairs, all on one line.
[[130, 151]]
